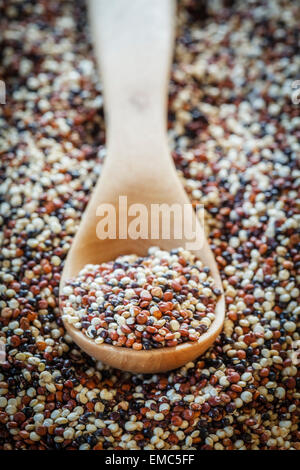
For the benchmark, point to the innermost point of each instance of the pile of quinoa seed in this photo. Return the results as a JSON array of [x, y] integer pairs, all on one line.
[[161, 300], [234, 131]]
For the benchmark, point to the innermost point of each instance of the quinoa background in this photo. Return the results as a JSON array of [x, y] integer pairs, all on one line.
[[234, 131]]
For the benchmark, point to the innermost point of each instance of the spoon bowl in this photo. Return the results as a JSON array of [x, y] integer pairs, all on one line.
[[88, 249]]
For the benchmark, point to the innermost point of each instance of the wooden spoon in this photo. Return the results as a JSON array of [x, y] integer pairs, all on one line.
[[133, 42]]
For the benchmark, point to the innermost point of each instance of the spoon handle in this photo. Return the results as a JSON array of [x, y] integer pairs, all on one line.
[[133, 45]]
